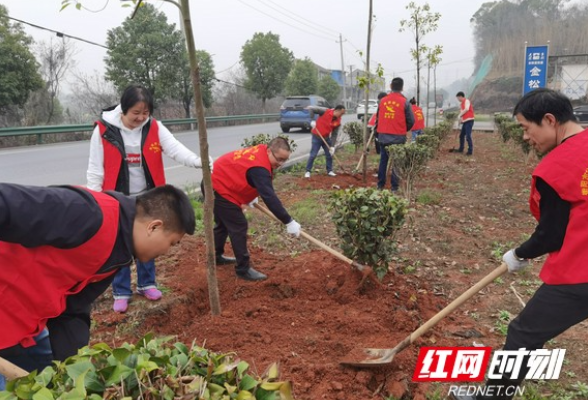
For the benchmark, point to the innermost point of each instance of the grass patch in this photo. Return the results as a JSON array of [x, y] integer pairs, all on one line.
[[429, 197]]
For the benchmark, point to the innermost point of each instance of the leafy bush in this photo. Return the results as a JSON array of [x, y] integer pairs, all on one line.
[[355, 132], [151, 369], [430, 141], [264, 138], [367, 220], [409, 161]]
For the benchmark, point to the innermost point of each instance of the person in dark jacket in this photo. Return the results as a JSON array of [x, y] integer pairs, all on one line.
[[239, 178], [559, 202], [395, 118], [60, 248]]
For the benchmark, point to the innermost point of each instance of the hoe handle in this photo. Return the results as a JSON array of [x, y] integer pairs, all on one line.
[[11, 371], [305, 235], [458, 302]]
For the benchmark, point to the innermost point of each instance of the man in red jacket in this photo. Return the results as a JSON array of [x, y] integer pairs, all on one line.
[[466, 117], [239, 178], [395, 118], [60, 248], [559, 202], [419, 120], [329, 121]]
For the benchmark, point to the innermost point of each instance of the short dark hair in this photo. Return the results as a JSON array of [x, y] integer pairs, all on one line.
[[169, 204], [339, 107], [381, 95], [279, 143], [460, 94], [535, 104], [397, 84], [134, 94], [412, 101]]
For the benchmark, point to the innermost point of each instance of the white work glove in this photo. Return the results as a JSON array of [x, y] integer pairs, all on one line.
[[513, 262], [210, 163], [313, 124], [253, 202], [332, 150], [293, 228]]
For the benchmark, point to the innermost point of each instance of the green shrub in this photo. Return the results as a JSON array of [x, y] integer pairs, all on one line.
[[355, 132], [430, 141], [367, 220], [409, 161], [264, 138], [151, 369]]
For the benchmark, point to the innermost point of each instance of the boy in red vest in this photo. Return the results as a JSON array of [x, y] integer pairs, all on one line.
[[329, 121], [419, 120], [60, 248], [559, 202], [239, 178], [466, 117]]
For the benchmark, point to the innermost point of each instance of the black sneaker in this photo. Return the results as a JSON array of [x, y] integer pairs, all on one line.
[[251, 275], [223, 260]]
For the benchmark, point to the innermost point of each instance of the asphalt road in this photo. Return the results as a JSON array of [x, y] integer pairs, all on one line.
[[66, 163]]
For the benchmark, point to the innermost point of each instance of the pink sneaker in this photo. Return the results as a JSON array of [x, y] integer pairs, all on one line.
[[120, 305], [151, 293]]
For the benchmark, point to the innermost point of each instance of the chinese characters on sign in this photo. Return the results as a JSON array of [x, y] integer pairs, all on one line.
[[535, 68], [450, 364]]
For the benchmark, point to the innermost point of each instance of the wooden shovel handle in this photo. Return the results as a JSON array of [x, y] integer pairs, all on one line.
[[367, 145], [458, 302], [11, 371], [326, 144], [305, 235]]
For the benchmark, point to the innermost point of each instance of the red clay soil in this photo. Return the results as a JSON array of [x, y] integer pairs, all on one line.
[[311, 312]]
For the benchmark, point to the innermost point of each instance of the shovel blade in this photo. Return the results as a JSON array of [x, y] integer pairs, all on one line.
[[369, 358]]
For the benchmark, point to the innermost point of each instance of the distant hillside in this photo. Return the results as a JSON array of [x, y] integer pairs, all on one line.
[[497, 95]]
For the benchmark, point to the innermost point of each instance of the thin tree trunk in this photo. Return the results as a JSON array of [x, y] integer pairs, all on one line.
[[213, 294], [367, 93]]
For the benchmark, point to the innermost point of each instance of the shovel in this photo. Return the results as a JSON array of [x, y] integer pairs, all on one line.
[[329, 147], [363, 153], [11, 371], [380, 357], [364, 269], [457, 131]]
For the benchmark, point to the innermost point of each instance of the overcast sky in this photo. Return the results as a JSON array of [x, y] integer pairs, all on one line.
[[309, 28]]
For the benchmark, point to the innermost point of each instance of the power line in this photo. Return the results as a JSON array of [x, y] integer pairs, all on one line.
[[58, 33], [304, 18], [284, 22], [297, 19]]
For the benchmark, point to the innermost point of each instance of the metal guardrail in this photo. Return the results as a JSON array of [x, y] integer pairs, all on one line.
[[48, 129]]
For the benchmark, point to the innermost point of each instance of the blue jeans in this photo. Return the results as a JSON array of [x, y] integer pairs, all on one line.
[[121, 285], [384, 158], [466, 133], [416, 133], [315, 146], [29, 358]]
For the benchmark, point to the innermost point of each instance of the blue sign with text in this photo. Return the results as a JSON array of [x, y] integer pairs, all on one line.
[[535, 68]]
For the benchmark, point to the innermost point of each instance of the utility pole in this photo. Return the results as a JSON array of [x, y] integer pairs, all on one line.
[[343, 71], [352, 95]]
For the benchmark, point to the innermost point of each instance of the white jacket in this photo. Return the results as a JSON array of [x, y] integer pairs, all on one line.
[[132, 140]]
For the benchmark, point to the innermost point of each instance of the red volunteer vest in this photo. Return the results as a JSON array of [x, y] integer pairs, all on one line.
[[391, 118], [372, 120], [229, 178], [565, 169], [34, 282], [325, 123], [151, 155], [419, 119], [469, 114]]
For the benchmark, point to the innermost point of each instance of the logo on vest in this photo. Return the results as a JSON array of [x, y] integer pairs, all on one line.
[[155, 147]]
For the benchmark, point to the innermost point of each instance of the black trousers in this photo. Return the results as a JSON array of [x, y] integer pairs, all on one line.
[[551, 311], [230, 222]]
